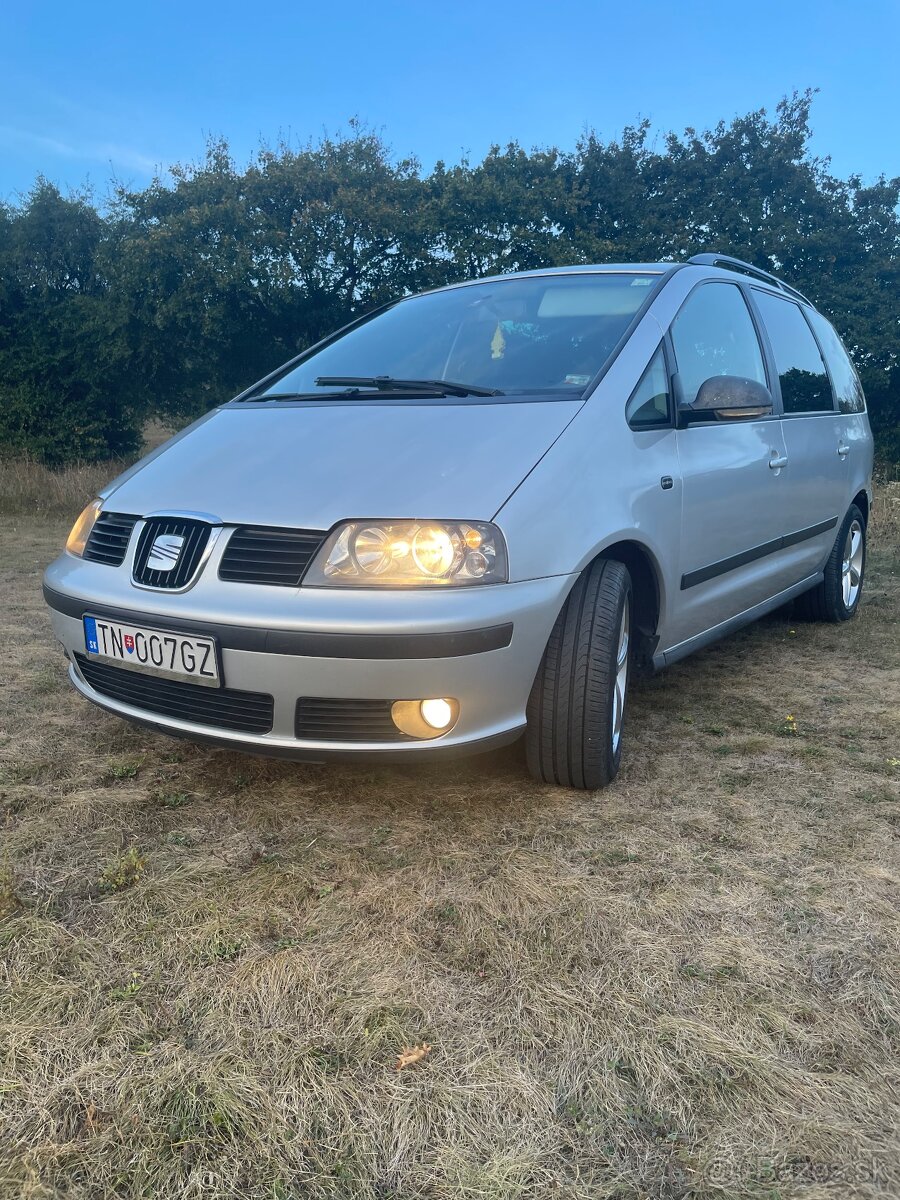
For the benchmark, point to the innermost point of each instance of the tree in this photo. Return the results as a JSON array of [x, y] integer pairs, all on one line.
[[61, 372], [223, 275], [181, 294], [502, 215]]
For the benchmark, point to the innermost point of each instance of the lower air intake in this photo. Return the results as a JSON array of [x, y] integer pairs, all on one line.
[[218, 708], [320, 719]]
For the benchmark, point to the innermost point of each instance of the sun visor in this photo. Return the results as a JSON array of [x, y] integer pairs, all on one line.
[[586, 301]]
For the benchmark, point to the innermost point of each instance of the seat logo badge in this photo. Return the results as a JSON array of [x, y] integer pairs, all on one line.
[[165, 552]]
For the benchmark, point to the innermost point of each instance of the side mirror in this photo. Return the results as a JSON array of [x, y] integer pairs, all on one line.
[[728, 398]]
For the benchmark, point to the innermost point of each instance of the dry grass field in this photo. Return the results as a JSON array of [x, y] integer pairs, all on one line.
[[686, 986]]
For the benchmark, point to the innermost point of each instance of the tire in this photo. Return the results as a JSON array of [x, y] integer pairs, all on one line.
[[577, 703], [837, 597]]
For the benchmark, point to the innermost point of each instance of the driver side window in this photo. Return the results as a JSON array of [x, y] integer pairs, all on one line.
[[714, 334]]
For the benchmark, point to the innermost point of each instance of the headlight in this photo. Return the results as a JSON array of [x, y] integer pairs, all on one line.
[[410, 554], [81, 530]]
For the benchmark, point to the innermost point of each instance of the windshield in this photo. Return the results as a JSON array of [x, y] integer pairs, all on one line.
[[551, 333]]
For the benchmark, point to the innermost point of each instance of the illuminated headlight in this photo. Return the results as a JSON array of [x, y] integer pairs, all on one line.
[[410, 554], [81, 530]]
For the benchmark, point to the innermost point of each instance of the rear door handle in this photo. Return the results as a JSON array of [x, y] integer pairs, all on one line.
[[778, 460], [843, 450]]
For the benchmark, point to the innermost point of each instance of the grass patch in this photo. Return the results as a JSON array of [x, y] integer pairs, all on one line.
[[29, 488], [123, 871], [684, 987]]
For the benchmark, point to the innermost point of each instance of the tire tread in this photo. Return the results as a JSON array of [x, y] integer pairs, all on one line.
[[569, 711]]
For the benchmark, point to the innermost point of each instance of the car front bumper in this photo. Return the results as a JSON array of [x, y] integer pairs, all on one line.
[[480, 645]]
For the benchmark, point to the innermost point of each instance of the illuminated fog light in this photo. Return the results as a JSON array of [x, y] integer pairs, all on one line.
[[425, 718], [437, 713]]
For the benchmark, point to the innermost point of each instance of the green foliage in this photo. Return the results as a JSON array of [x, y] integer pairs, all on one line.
[[123, 871], [55, 422], [180, 295], [63, 369]]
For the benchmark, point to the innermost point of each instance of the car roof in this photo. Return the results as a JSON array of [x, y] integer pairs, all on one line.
[[715, 266], [578, 269]]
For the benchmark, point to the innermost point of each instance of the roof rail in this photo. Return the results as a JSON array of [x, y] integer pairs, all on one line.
[[744, 268]]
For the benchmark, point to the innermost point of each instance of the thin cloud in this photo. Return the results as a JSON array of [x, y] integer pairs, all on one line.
[[122, 156]]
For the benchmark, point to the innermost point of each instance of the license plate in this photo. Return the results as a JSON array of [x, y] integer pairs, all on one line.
[[153, 651]]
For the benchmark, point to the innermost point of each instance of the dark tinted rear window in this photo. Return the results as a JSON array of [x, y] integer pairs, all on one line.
[[844, 379], [801, 371]]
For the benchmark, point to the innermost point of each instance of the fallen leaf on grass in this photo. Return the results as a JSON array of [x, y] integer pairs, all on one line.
[[412, 1054]]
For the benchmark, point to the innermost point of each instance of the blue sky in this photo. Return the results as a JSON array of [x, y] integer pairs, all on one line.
[[94, 89]]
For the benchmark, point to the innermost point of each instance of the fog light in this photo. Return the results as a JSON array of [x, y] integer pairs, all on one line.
[[425, 718], [437, 713]]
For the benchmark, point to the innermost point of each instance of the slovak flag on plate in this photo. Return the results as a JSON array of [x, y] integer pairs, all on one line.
[[129, 643]]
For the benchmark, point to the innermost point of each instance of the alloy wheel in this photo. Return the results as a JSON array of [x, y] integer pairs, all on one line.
[[852, 565], [621, 682]]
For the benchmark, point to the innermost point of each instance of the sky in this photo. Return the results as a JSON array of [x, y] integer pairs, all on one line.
[[94, 90]]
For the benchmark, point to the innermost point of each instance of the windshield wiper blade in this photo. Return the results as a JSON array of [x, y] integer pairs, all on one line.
[[386, 383], [265, 397]]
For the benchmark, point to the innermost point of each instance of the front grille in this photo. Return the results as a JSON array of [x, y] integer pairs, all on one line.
[[321, 719], [108, 540], [276, 556], [221, 708], [195, 534]]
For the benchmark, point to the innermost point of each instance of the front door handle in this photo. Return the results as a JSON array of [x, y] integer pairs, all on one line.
[[777, 461], [843, 450]]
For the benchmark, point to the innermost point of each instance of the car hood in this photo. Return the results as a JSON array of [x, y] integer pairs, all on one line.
[[310, 466]]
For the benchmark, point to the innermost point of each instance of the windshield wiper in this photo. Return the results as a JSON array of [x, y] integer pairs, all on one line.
[[265, 397], [386, 383], [347, 393]]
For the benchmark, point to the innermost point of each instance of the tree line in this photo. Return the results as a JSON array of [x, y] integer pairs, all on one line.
[[169, 300]]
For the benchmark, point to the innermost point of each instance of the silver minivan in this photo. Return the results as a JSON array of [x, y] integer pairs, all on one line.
[[475, 513]]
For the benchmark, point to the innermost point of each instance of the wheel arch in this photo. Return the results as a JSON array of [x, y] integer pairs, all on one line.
[[861, 500], [647, 591]]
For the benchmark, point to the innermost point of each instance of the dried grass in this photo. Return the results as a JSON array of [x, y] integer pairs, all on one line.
[[686, 986], [886, 513], [27, 488]]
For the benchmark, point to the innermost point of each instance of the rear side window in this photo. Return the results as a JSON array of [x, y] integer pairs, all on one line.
[[804, 381], [844, 378], [714, 335], [649, 403]]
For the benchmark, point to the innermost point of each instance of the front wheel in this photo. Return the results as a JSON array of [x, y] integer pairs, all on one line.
[[577, 705], [837, 597]]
